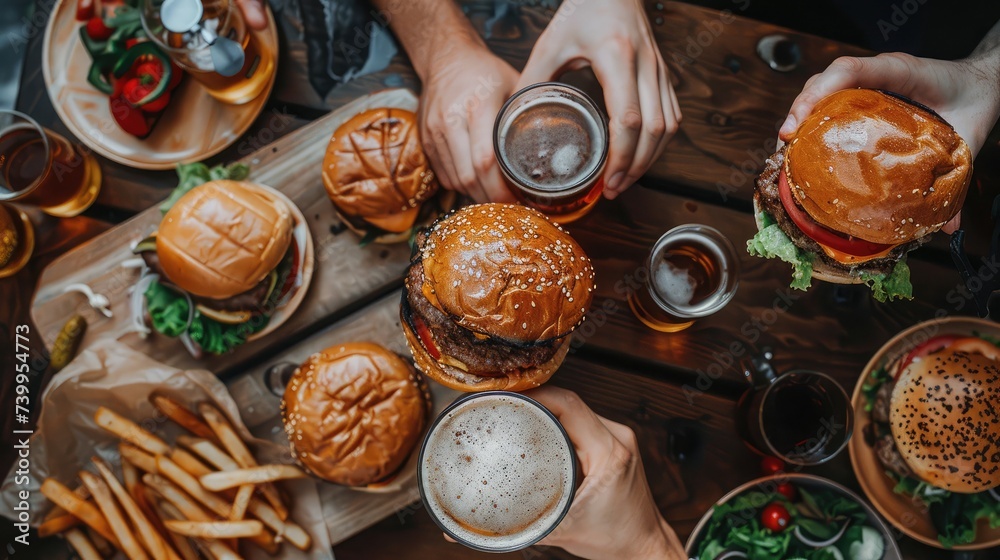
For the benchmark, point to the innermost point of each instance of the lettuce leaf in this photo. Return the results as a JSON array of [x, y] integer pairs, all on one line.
[[168, 310], [895, 285], [771, 242], [191, 175]]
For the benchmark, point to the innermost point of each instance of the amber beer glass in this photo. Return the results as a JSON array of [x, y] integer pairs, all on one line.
[[192, 53], [17, 240], [43, 169], [692, 271], [551, 141]]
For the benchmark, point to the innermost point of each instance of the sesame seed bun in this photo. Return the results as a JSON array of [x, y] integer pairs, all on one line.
[[375, 171], [222, 238], [506, 271], [877, 167], [946, 422], [354, 412]]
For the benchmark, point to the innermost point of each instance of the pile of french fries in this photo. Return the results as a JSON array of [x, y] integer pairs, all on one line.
[[198, 499]]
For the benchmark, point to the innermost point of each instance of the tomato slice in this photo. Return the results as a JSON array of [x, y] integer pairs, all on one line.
[[290, 279], [820, 234], [929, 347], [425, 338]]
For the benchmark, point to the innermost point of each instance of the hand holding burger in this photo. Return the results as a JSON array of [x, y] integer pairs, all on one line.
[[867, 177]]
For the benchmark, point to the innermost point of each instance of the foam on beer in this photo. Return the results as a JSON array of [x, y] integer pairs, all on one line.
[[551, 143], [497, 472]]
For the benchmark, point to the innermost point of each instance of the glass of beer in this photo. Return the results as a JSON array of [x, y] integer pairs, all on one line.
[[551, 141], [692, 271], [496, 471], [43, 169], [17, 240], [193, 54]]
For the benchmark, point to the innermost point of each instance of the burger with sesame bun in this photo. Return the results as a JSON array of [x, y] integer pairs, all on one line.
[[379, 179], [936, 430], [492, 294], [868, 177], [353, 414]]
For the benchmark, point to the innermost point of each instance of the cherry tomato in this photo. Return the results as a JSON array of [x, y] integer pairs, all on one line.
[[136, 89], [158, 104], [175, 76], [771, 465], [151, 68], [84, 10], [825, 236], [97, 30], [786, 489], [775, 517]]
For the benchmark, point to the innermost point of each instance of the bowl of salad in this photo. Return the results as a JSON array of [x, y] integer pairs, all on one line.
[[922, 511], [791, 517]]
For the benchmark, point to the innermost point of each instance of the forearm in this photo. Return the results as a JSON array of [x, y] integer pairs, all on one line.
[[990, 45], [666, 545], [428, 29]]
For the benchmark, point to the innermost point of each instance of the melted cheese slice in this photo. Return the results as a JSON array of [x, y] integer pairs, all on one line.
[[846, 258]]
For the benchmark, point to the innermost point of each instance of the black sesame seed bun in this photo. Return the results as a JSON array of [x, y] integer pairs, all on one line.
[[945, 418]]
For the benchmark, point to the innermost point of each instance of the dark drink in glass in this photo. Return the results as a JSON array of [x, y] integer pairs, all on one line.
[[41, 168], [551, 141]]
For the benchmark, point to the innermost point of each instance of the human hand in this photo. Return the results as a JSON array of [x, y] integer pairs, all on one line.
[[463, 90], [966, 93], [613, 513], [615, 39], [253, 13]]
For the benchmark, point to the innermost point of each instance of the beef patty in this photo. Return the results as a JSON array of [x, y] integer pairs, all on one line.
[[489, 357]]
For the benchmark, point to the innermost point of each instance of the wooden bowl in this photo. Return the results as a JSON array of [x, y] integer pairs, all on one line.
[[906, 513]]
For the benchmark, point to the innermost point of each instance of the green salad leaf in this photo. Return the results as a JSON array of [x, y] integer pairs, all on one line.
[[771, 242], [191, 175], [895, 285], [168, 309]]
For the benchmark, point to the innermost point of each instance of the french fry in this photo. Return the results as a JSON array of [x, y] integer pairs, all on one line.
[[218, 550], [150, 538], [57, 511], [58, 524], [130, 431], [240, 502], [130, 477], [189, 484], [136, 489], [82, 545], [102, 544], [189, 463], [236, 447], [181, 416], [286, 530], [210, 452], [216, 529], [144, 461], [219, 481], [193, 511], [106, 503], [183, 546], [63, 497]]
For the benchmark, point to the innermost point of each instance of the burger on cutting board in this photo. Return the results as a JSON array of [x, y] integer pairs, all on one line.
[[492, 296], [227, 257], [379, 179], [868, 177]]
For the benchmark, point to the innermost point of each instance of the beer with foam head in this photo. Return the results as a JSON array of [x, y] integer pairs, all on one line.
[[551, 142], [497, 472]]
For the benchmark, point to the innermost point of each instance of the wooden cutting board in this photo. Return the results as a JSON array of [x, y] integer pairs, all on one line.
[[347, 511], [346, 275]]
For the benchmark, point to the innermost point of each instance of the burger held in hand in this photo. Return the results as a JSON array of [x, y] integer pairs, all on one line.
[[354, 412], [225, 260], [378, 178], [868, 177], [492, 295]]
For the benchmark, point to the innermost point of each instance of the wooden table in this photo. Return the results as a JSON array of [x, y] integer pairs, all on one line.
[[732, 103]]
